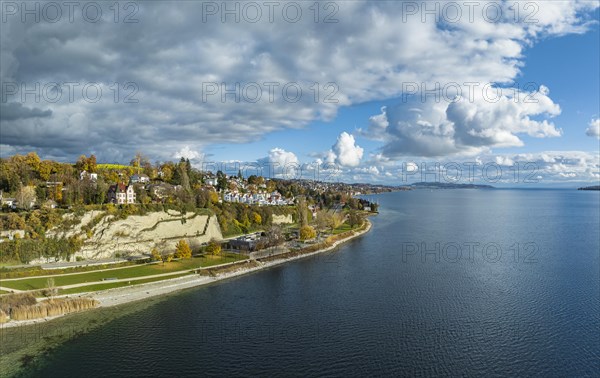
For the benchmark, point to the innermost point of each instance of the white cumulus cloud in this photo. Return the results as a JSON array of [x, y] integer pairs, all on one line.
[[187, 153], [593, 129], [345, 151], [468, 126]]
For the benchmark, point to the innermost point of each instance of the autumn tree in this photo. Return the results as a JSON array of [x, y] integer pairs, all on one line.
[[183, 250], [307, 233], [25, 196], [33, 160], [214, 247], [337, 220], [14, 222], [45, 170], [92, 164], [302, 211], [156, 256], [167, 171], [184, 178], [274, 235], [324, 221], [140, 162], [82, 163], [214, 197], [271, 186]]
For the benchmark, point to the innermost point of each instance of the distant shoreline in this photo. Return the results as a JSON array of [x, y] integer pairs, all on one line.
[[595, 187], [130, 294]]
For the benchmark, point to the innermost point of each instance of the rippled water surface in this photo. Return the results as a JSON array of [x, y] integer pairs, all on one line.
[[448, 282]]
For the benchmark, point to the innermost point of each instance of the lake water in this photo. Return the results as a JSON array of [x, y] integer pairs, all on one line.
[[448, 282]]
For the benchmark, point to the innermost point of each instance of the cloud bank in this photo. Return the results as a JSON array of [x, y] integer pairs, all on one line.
[[156, 77]]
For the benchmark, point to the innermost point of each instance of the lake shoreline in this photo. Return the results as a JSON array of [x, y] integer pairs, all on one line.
[[136, 293]]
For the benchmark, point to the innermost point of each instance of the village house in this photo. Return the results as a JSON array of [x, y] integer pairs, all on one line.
[[87, 175], [142, 179], [161, 191], [11, 235], [121, 194], [11, 203], [211, 181], [260, 198], [49, 204]]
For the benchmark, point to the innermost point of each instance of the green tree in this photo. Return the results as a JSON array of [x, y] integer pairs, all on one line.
[[221, 181], [354, 218]]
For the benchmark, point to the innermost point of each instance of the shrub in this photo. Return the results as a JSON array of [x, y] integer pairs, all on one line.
[[307, 232]]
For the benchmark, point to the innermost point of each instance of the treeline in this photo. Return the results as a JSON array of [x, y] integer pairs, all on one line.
[[237, 218], [26, 250], [325, 199]]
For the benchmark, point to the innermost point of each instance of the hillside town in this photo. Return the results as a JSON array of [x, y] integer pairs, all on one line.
[[41, 197], [86, 183]]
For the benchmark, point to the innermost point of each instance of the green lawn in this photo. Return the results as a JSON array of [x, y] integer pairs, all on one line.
[[343, 228], [138, 271], [9, 264], [112, 285], [4, 292], [31, 272]]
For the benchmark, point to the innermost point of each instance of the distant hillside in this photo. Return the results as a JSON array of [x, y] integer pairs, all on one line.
[[595, 187], [446, 185]]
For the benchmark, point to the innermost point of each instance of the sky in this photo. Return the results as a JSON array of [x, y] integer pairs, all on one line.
[[385, 92]]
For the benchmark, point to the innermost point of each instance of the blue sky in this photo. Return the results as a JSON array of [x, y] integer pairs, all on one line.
[[173, 57]]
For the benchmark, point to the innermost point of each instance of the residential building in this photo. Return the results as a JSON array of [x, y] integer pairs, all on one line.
[[87, 175], [211, 181], [121, 194], [142, 179]]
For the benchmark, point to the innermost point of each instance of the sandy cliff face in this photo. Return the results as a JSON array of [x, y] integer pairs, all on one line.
[[281, 219], [138, 234]]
